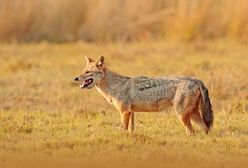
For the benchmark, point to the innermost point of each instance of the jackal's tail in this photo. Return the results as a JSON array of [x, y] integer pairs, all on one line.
[[206, 107]]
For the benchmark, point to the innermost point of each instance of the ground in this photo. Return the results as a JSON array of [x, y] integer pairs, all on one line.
[[46, 120]]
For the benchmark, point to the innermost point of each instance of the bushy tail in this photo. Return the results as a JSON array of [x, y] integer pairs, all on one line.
[[206, 107]]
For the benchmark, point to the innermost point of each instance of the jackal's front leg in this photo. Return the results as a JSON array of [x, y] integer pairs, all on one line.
[[125, 119], [132, 122]]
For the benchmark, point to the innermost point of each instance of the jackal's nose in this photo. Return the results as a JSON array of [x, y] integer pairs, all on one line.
[[76, 79]]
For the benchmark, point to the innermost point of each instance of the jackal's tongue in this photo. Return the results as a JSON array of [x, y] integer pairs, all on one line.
[[87, 82]]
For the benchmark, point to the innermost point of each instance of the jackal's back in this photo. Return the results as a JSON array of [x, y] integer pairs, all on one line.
[[155, 94]]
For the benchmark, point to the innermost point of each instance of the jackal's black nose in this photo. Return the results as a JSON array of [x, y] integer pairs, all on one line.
[[76, 79]]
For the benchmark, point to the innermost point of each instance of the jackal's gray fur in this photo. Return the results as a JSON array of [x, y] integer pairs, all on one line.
[[188, 96]]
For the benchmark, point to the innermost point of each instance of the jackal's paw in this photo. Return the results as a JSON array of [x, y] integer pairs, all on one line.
[[190, 133], [131, 132]]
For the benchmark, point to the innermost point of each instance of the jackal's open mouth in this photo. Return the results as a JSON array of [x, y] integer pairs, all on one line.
[[86, 83]]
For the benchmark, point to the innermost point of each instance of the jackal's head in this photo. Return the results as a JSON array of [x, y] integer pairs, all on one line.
[[92, 74]]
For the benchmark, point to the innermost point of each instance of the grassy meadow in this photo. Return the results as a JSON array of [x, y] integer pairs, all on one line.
[[46, 120]]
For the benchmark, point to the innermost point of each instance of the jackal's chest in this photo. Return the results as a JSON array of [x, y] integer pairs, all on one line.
[[105, 95]]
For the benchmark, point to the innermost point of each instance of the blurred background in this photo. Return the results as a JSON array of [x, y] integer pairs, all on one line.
[[122, 20]]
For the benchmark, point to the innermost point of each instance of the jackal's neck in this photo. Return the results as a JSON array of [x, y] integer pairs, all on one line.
[[110, 83]]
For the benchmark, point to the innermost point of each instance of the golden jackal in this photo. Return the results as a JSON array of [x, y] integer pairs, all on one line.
[[188, 96]]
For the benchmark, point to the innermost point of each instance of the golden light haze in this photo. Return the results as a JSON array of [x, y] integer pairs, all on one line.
[[122, 20]]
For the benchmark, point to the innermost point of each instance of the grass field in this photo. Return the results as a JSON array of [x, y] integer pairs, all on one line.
[[46, 120]]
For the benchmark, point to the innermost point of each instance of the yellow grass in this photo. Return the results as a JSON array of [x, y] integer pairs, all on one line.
[[122, 20], [47, 120]]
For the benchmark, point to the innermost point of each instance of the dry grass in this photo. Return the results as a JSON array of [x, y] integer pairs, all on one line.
[[46, 120], [118, 20]]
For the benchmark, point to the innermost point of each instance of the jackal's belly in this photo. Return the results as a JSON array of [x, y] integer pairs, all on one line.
[[152, 99], [150, 106]]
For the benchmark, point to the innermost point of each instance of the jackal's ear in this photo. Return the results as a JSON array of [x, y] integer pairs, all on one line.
[[100, 61], [88, 60]]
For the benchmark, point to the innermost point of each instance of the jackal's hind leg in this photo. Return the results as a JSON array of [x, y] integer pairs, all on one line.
[[185, 119], [196, 117], [185, 102], [125, 119]]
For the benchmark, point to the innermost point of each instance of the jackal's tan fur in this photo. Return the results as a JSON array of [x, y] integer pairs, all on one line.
[[188, 96]]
